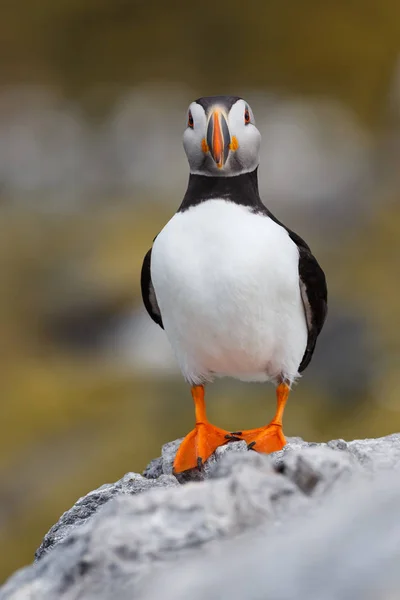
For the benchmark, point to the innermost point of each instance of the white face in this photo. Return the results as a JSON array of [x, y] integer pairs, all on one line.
[[221, 142]]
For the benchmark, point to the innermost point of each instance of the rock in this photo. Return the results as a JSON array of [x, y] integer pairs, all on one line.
[[121, 544], [314, 470], [347, 549], [300, 503], [168, 454], [154, 469], [377, 454], [88, 505]]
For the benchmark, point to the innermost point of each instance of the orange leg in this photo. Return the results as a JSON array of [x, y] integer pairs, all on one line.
[[270, 438], [203, 440]]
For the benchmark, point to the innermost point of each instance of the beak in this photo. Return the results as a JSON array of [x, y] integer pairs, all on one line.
[[218, 138]]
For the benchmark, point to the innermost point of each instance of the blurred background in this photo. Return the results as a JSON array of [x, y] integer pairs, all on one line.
[[93, 99]]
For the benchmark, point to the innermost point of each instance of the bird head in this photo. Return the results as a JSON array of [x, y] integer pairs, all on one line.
[[221, 138]]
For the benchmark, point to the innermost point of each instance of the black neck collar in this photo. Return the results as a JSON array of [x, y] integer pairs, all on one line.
[[240, 189]]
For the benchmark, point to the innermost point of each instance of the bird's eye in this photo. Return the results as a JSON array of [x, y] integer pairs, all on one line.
[[246, 116], [190, 120]]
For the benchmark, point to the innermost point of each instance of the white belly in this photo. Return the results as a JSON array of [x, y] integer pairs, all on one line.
[[227, 284]]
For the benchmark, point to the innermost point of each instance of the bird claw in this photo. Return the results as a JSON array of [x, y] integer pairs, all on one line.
[[232, 438]]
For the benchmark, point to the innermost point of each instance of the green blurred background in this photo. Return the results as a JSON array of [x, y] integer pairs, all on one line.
[[93, 98]]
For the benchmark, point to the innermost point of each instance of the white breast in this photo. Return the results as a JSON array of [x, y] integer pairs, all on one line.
[[227, 284]]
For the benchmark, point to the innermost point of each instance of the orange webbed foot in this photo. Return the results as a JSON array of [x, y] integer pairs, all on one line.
[[265, 439], [270, 438], [199, 444]]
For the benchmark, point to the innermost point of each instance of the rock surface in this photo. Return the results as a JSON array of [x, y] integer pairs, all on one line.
[[315, 520], [346, 549], [85, 507]]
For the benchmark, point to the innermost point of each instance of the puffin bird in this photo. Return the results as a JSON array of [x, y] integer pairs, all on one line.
[[237, 292]]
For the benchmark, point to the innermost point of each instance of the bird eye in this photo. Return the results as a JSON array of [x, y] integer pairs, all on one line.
[[190, 120], [246, 116]]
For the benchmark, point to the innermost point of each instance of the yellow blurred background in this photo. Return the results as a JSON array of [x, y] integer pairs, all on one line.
[[93, 98]]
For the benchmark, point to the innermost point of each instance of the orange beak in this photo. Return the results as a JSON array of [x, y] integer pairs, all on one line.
[[218, 138]]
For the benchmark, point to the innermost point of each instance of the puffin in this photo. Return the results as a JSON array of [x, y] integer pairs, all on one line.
[[237, 292]]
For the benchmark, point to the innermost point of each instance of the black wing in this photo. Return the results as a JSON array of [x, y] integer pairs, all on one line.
[[148, 293], [314, 293]]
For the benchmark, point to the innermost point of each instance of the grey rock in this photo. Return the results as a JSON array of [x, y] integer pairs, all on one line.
[[168, 454], [153, 469], [301, 515], [317, 467], [233, 456], [88, 505], [377, 454], [348, 550], [302, 461], [121, 544]]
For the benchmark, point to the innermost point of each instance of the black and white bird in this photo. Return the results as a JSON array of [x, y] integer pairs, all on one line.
[[237, 292]]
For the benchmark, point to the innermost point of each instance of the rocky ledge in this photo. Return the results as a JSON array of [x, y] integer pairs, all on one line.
[[315, 521]]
